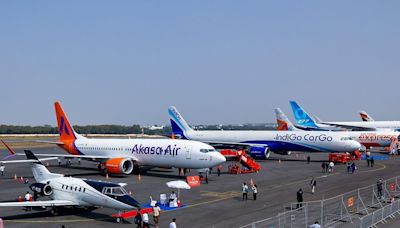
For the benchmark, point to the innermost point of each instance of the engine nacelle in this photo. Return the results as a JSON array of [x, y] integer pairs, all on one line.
[[283, 152], [119, 166], [41, 189], [260, 152]]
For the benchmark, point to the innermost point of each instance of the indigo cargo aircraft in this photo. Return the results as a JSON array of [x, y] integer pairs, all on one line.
[[120, 155], [306, 122], [280, 142], [366, 138], [73, 192]]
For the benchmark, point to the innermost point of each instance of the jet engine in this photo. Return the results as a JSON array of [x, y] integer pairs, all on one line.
[[283, 152], [119, 166], [41, 189], [260, 152]]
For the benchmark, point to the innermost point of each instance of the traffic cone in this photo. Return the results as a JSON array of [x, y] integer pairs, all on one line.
[[139, 177], [107, 177], [21, 179], [280, 161], [15, 176], [19, 198], [130, 193]]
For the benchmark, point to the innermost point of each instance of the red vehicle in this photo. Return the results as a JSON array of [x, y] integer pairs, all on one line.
[[343, 158]]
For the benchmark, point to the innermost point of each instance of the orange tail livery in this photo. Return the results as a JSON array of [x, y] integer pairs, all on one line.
[[67, 133]]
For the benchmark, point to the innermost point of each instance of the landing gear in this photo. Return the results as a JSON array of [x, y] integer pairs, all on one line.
[[119, 218], [54, 211]]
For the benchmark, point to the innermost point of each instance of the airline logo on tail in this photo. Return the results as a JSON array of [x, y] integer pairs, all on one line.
[[178, 124], [365, 117], [284, 123], [301, 116], [64, 128]]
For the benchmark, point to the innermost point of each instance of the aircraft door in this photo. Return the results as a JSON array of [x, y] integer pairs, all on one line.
[[188, 151]]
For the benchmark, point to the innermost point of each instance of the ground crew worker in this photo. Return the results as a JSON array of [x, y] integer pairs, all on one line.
[[331, 165], [173, 223], [254, 188], [379, 186], [2, 167], [156, 214], [219, 168], [138, 219], [372, 161], [308, 159], [28, 197], [145, 219], [245, 190], [315, 225], [313, 184], [299, 198]]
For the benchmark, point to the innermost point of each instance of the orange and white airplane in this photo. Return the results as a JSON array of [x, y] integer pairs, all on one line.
[[120, 155]]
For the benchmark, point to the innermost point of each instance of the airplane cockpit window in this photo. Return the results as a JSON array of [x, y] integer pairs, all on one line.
[[114, 191], [207, 150]]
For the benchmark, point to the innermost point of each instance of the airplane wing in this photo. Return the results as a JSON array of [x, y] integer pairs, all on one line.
[[46, 203], [350, 127], [86, 157], [49, 142], [27, 160]]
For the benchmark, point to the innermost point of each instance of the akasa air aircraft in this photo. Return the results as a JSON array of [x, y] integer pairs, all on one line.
[[366, 138], [73, 192], [280, 142], [305, 122], [120, 155]]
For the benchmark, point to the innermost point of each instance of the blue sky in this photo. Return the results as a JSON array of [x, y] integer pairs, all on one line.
[[125, 62]]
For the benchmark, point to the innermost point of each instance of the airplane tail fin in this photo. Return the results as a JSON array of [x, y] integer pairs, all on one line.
[[365, 117], [284, 124], [64, 127], [301, 116], [178, 124], [40, 172]]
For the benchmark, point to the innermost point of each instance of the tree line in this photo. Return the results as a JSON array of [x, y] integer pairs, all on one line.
[[122, 129]]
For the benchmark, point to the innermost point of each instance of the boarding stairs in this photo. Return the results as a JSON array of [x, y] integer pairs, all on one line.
[[249, 165]]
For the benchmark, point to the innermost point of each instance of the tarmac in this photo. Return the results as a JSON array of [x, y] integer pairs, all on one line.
[[216, 204]]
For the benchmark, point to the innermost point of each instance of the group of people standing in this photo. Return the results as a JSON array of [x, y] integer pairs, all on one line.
[[245, 190], [143, 221], [327, 167]]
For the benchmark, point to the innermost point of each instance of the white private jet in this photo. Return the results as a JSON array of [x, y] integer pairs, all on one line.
[[73, 192], [120, 155]]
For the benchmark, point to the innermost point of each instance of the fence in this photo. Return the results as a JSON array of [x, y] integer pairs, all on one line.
[[367, 206]]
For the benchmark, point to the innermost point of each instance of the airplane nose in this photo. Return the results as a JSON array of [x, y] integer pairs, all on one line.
[[218, 158], [354, 145]]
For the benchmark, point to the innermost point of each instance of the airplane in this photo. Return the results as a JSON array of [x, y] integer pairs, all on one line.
[[365, 117], [305, 122], [73, 192], [280, 142], [121, 155], [366, 138]]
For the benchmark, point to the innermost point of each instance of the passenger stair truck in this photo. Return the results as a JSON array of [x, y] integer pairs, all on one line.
[[249, 164]]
